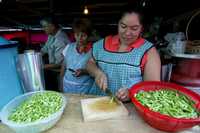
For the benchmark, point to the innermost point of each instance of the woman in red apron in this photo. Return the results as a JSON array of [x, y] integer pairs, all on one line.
[[120, 61]]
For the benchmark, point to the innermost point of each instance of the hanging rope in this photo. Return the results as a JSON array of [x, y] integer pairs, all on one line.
[[188, 24], [192, 47]]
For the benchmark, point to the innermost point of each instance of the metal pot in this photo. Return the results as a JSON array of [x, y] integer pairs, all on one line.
[[30, 68]]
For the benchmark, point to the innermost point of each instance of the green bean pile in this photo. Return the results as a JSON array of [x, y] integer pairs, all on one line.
[[37, 107], [168, 102]]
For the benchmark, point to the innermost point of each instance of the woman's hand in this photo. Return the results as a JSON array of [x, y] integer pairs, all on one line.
[[123, 95], [79, 72], [100, 76], [101, 80]]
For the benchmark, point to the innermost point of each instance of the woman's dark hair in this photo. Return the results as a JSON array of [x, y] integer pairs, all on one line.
[[83, 25], [136, 11], [51, 19]]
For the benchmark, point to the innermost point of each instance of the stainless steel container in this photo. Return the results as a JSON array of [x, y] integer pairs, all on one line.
[[30, 68]]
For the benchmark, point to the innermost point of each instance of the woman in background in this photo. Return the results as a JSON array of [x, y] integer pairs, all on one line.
[[75, 78]]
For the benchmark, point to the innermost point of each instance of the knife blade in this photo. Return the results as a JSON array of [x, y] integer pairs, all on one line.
[[72, 70], [113, 97]]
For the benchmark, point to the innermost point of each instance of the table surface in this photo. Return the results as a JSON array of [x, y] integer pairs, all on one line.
[[72, 121]]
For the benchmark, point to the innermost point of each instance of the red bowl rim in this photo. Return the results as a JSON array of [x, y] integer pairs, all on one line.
[[135, 88]]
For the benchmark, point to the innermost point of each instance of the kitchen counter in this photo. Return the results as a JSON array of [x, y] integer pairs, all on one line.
[[72, 121]]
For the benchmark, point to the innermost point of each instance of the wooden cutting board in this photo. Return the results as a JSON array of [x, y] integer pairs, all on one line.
[[92, 111]]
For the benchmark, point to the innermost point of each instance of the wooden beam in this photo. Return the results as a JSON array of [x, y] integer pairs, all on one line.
[[184, 16], [99, 5], [30, 1], [26, 8], [13, 21]]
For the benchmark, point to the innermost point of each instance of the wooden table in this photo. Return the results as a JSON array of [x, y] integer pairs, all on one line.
[[72, 122]]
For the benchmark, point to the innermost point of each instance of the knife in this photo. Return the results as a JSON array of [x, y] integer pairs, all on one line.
[[72, 70], [113, 98]]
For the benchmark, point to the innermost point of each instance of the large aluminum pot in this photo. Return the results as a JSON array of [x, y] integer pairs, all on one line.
[[30, 68]]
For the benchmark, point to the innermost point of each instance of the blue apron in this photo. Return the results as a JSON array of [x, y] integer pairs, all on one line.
[[122, 68], [75, 60]]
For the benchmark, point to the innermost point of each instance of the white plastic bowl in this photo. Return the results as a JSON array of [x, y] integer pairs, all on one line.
[[33, 127]]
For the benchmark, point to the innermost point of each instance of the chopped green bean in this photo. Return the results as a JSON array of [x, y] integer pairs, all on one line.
[[37, 107], [168, 102]]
